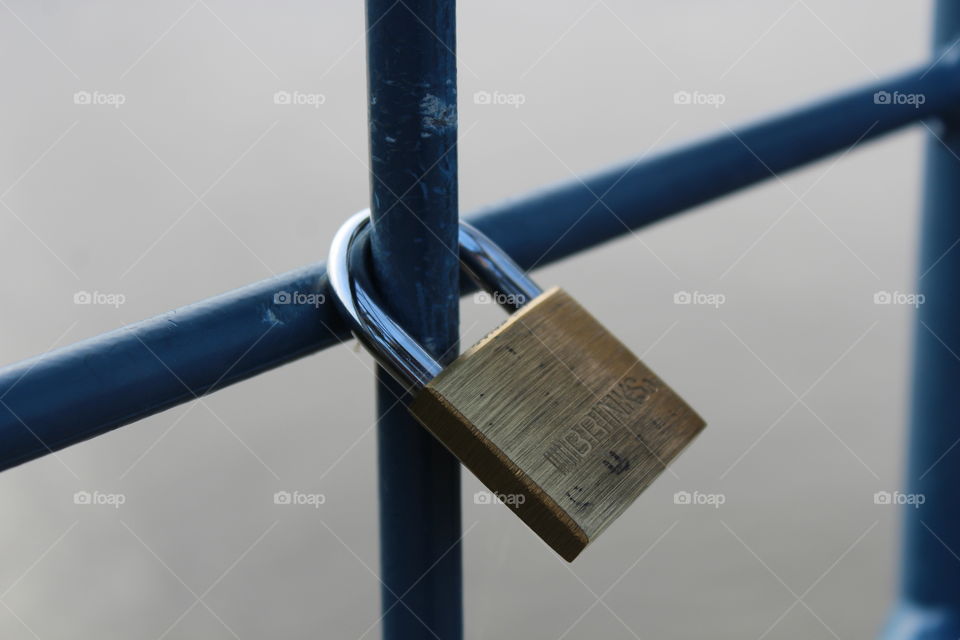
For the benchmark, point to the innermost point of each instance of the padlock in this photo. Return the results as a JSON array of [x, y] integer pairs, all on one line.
[[558, 419]]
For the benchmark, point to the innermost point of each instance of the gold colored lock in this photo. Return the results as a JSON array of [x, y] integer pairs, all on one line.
[[550, 411]]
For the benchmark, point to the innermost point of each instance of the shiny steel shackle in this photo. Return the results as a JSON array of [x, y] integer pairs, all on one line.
[[486, 263]]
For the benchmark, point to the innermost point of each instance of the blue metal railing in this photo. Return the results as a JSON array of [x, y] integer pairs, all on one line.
[[97, 385], [413, 162], [930, 584], [117, 378]]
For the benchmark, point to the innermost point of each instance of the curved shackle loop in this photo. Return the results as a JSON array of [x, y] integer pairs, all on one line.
[[402, 356]]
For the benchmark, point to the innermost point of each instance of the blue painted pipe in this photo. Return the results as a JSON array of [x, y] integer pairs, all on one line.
[[929, 606], [413, 160], [86, 389], [97, 385], [637, 194]]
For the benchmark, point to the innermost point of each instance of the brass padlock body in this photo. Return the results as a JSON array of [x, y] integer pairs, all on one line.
[[552, 407]]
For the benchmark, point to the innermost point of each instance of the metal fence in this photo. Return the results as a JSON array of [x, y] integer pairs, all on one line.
[[81, 391]]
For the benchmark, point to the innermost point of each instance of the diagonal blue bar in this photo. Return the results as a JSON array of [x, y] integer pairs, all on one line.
[[89, 388]]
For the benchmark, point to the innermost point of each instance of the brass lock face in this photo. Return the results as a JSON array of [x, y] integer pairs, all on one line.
[[552, 407], [549, 410]]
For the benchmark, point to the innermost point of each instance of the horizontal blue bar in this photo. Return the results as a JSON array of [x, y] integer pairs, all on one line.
[[89, 388]]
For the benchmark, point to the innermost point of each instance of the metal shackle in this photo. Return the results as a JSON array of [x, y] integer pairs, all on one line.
[[398, 352]]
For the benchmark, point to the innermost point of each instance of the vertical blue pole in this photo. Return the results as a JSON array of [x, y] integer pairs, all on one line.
[[413, 160], [930, 586]]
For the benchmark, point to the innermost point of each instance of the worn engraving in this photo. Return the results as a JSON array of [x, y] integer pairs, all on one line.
[[604, 421]]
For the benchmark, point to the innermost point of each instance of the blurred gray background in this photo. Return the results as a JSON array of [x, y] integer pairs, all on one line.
[[199, 183]]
